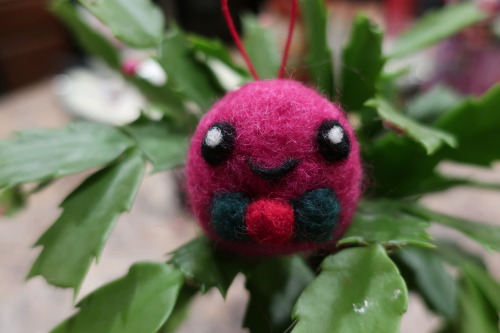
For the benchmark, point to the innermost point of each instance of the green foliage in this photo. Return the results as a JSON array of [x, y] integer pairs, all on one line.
[[427, 274], [488, 286], [89, 213], [436, 26], [319, 58], [208, 267], [477, 315], [360, 74], [454, 254], [386, 222], [11, 201], [187, 76], [215, 49], [486, 235], [395, 155], [261, 47], [38, 155], [358, 290], [98, 45], [138, 23], [218, 59], [431, 139], [141, 301], [164, 98], [468, 301], [274, 287], [161, 143], [475, 125], [181, 309], [431, 104], [95, 43]]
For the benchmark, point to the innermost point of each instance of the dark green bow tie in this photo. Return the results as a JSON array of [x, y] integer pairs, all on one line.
[[316, 213]]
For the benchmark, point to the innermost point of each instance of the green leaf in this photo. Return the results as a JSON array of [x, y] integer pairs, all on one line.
[[92, 41], [475, 123], [455, 254], [171, 101], [208, 267], [434, 182], [436, 26], [163, 145], [11, 201], [358, 290], [186, 75], [215, 56], [261, 46], [430, 105], [485, 234], [47, 153], [360, 73], [431, 139], [274, 287], [138, 23], [486, 283], [393, 158], [477, 315], [89, 214], [214, 48], [196, 260], [438, 182], [180, 311], [446, 328], [96, 44], [319, 58], [385, 222], [431, 279], [141, 301]]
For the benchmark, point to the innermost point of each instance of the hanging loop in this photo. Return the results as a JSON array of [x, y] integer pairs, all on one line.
[[241, 48]]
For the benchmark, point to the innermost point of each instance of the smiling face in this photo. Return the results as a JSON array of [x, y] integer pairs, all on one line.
[[274, 168]]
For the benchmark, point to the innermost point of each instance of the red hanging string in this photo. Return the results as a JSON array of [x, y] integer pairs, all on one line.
[[237, 40], [293, 18]]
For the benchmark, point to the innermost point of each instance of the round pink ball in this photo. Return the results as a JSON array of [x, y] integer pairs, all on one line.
[[274, 121]]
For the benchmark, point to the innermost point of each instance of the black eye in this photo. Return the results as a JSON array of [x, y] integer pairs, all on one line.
[[218, 143], [333, 141]]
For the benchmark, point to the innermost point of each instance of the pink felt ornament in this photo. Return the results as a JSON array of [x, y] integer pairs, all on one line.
[[274, 167]]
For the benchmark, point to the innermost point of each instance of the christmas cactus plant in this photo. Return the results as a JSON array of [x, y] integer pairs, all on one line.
[[360, 285]]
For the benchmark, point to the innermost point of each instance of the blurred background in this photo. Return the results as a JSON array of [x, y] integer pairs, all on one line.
[[46, 80], [34, 45]]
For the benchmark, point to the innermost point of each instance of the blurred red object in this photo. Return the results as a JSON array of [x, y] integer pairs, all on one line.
[[398, 15]]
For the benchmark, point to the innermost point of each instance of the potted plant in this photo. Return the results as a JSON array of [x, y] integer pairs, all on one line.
[[363, 284]]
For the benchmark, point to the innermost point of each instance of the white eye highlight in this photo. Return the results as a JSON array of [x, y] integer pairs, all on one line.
[[213, 137], [336, 134], [333, 141]]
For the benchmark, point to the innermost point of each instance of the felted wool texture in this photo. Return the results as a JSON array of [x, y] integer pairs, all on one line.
[[228, 213], [274, 121], [273, 173], [316, 214], [270, 222]]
